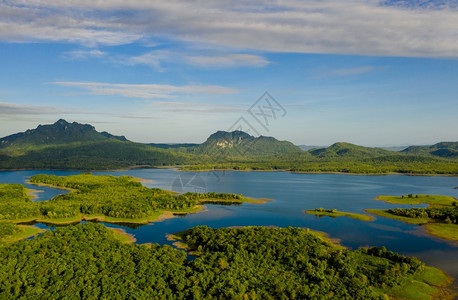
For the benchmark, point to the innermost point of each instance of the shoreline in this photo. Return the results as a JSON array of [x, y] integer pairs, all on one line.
[[179, 168], [337, 214], [161, 216], [27, 231], [312, 172], [430, 228], [123, 236]]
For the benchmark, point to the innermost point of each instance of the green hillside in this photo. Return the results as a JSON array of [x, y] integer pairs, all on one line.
[[239, 143], [350, 151], [443, 149], [64, 145], [59, 133]]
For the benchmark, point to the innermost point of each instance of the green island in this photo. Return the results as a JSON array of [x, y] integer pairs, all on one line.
[[103, 198], [231, 263], [440, 218], [334, 213]]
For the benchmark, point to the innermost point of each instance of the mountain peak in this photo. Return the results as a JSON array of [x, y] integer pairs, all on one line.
[[61, 122], [61, 132], [240, 143], [236, 134]]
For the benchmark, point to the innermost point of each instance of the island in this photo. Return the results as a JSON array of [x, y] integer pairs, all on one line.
[[334, 213], [439, 218], [102, 198]]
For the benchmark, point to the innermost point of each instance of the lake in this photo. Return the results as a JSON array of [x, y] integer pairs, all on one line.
[[292, 193]]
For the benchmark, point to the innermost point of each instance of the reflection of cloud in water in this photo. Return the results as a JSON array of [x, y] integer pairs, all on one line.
[[213, 212], [439, 259], [386, 227], [421, 232]]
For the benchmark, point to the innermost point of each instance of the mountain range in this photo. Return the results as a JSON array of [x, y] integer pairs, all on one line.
[[65, 145]]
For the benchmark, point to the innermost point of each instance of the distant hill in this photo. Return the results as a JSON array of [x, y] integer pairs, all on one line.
[[239, 143], [59, 133], [64, 145], [349, 151], [443, 149]]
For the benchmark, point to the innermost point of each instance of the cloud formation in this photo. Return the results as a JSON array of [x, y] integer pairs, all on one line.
[[201, 58], [352, 71], [183, 107], [146, 91], [84, 54], [14, 110], [361, 27]]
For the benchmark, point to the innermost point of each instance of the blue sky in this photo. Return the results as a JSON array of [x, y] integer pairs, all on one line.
[[362, 71]]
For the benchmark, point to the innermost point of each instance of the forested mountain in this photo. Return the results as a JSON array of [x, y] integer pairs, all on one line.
[[59, 133], [443, 149], [347, 150], [64, 145], [239, 143]]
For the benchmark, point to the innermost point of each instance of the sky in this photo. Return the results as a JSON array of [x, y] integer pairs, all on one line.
[[369, 72]]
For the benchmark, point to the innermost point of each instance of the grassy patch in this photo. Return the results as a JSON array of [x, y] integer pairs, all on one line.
[[386, 214], [335, 213], [424, 285], [123, 236], [442, 230], [24, 231], [432, 200]]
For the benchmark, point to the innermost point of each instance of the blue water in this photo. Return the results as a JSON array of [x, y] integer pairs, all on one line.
[[293, 193]]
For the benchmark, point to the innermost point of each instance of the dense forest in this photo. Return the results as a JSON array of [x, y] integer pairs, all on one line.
[[87, 261], [116, 197]]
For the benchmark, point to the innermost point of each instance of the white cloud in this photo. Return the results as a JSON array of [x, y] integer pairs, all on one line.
[[84, 54], [13, 110], [362, 27], [227, 60], [199, 58], [352, 71], [197, 107], [153, 91]]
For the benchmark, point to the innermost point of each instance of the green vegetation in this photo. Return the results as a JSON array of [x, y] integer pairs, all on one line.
[[305, 163], [240, 144], [334, 213], [64, 145], [273, 263], [440, 218], [432, 200], [444, 149], [104, 198], [10, 232], [238, 263]]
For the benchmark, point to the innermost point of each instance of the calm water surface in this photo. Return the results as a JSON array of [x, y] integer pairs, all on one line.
[[292, 194]]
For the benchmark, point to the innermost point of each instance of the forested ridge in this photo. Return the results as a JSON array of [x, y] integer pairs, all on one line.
[[87, 261], [64, 145], [115, 197]]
